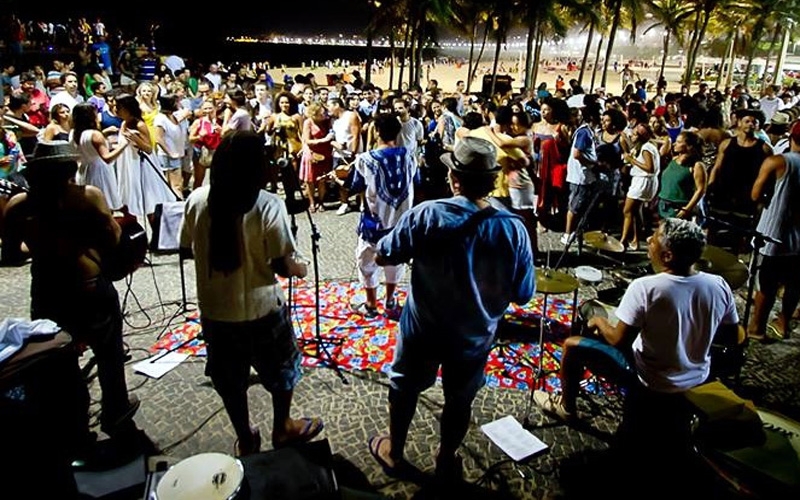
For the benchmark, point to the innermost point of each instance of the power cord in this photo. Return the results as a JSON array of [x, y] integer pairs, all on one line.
[[166, 449]]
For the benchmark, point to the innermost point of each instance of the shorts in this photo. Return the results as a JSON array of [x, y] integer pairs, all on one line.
[[643, 188], [267, 344], [522, 198], [778, 270], [369, 271], [619, 366], [168, 163], [579, 196], [416, 365]]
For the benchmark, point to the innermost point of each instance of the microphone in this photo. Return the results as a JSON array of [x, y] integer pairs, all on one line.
[[296, 202]]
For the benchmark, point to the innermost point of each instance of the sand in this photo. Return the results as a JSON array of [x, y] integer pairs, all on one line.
[[448, 74]]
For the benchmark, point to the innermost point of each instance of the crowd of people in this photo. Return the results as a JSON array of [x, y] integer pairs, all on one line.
[[460, 184]]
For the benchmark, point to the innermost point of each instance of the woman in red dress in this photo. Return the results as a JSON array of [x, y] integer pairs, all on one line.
[[551, 145], [317, 156]]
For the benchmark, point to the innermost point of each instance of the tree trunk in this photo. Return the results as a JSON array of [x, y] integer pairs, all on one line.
[[538, 56], [772, 43], [391, 57], [726, 60], [751, 54], [404, 53], [412, 51], [368, 64], [472, 38], [480, 55], [664, 57], [586, 53], [596, 61], [500, 35], [687, 76], [611, 35], [530, 43], [420, 50], [690, 68], [778, 78]]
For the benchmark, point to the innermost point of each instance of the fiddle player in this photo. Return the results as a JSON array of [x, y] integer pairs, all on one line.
[[68, 230]]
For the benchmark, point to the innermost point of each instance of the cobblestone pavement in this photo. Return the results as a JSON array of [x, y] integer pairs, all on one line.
[[183, 414]]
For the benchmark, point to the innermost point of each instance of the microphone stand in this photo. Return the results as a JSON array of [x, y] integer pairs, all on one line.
[[292, 188], [183, 306]]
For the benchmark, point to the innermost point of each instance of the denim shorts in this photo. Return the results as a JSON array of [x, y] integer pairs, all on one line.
[[416, 366], [267, 344], [168, 163], [579, 196], [614, 363]]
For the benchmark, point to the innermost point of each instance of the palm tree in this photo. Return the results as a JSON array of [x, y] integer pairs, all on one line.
[[670, 16], [616, 8]]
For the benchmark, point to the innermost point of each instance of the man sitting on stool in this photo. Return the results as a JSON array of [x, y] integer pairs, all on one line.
[[666, 324]]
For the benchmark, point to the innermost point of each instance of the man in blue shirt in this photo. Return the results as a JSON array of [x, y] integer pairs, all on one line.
[[470, 261]]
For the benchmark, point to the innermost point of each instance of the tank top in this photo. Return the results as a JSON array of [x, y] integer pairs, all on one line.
[[781, 218], [736, 177], [677, 183]]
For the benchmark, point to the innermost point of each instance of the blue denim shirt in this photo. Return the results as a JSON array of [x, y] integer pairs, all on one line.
[[461, 281]]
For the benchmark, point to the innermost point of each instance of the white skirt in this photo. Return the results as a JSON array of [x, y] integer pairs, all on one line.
[[643, 188], [141, 186]]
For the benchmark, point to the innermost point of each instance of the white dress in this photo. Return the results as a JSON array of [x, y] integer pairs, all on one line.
[[94, 171], [142, 186]]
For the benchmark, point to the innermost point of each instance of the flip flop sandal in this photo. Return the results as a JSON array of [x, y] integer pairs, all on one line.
[[399, 469], [311, 429]]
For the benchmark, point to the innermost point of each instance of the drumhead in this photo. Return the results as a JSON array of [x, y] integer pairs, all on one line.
[[588, 274], [210, 476]]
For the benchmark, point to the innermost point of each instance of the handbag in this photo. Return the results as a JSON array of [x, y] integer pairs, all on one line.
[[206, 155]]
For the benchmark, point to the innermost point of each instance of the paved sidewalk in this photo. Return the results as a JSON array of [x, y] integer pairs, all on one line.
[[183, 414]]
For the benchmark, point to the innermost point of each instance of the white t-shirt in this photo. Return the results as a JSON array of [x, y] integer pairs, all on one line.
[[65, 97], [411, 134], [252, 291], [240, 120], [639, 172], [678, 317], [174, 136]]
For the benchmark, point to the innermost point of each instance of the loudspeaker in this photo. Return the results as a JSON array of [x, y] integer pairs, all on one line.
[[295, 473], [501, 85], [167, 221]]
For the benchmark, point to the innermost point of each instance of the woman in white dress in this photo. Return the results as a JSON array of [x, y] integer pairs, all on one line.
[[142, 185], [96, 157], [645, 166]]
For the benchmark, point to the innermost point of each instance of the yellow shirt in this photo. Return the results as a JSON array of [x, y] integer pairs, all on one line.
[[506, 158]]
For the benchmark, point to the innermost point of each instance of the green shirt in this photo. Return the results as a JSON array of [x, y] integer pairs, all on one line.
[[677, 185]]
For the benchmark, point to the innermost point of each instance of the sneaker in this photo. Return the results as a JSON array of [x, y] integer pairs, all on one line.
[[364, 310], [343, 209], [566, 238], [552, 404]]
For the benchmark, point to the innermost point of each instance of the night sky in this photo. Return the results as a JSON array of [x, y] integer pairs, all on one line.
[[282, 16]]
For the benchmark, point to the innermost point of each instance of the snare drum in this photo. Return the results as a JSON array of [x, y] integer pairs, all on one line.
[[591, 308], [211, 476]]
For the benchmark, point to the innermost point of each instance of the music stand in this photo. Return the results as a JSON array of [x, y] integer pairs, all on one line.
[[183, 305], [294, 205]]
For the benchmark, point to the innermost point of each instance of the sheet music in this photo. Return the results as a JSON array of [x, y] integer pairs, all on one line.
[[512, 438], [156, 366]]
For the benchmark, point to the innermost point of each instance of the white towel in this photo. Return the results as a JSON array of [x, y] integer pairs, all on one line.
[[15, 331]]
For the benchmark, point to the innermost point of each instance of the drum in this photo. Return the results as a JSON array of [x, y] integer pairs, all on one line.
[[591, 308], [728, 354], [588, 275], [210, 476], [768, 470]]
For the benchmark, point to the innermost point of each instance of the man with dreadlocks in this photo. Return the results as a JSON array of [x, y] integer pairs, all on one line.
[[240, 237]]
